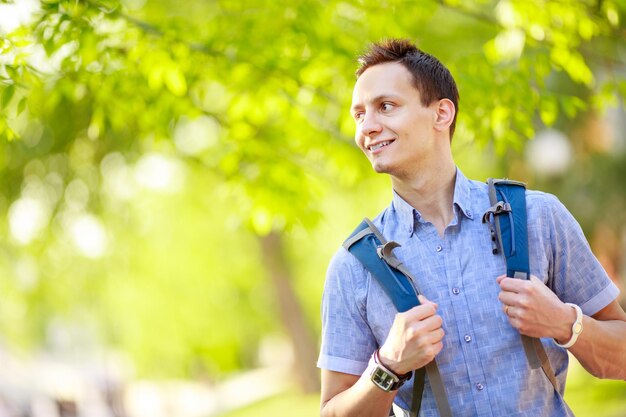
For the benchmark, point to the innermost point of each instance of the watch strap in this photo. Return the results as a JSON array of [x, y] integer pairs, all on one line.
[[577, 327], [375, 368]]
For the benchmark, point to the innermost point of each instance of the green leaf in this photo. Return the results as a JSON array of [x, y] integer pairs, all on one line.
[[574, 64], [548, 110], [7, 94], [175, 81], [11, 71], [21, 105]]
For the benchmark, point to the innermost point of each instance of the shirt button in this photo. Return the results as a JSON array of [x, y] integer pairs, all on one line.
[[467, 338], [469, 214], [480, 386], [456, 291], [439, 248]]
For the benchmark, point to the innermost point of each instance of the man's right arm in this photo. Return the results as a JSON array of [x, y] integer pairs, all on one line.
[[350, 395], [414, 340]]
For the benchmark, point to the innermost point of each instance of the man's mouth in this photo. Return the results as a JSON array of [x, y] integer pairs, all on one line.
[[379, 145]]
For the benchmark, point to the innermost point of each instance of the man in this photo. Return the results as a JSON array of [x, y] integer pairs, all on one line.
[[471, 316]]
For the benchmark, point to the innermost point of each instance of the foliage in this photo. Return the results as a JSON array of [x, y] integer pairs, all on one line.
[[277, 119], [141, 141]]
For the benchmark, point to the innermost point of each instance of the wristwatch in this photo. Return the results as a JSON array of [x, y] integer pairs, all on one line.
[[577, 327], [382, 377]]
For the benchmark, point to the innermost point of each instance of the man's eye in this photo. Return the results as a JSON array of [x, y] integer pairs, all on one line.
[[358, 116], [386, 107]]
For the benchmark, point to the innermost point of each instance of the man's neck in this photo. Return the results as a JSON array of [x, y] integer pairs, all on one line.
[[431, 194]]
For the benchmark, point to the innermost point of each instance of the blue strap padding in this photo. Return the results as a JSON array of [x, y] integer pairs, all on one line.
[[395, 284], [514, 233]]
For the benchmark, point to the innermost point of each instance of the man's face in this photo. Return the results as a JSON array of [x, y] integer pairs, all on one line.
[[393, 128]]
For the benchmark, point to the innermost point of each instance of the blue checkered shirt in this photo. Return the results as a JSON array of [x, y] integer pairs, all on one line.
[[483, 365]]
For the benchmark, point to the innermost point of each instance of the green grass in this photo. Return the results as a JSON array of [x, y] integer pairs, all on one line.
[[288, 405], [591, 397]]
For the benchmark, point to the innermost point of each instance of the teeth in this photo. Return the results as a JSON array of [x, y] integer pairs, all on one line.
[[379, 145]]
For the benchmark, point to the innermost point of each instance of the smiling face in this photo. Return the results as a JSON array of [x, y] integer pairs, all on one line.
[[394, 129]]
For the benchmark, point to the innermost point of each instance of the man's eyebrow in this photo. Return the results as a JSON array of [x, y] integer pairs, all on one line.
[[377, 99], [355, 107]]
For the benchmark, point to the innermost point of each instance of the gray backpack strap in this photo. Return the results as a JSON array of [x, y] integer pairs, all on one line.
[[436, 384]]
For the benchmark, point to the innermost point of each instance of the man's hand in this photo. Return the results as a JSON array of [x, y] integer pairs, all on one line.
[[534, 310], [414, 340]]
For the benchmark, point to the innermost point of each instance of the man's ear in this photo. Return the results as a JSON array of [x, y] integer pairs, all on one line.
[[445, 112]]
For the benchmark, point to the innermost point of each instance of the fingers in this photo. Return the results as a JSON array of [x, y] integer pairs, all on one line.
[[416, 324], [509, 311], [424, 310], [416, 336], [431, 323], [509, 298], [428, 344], [518, 285], [426, 331], [512, 284], [430, 352], [520, 292], [421, 321], [423, 300], [436, 336], [514, 314]]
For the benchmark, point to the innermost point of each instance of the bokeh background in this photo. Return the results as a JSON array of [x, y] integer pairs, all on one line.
[[175, 176]]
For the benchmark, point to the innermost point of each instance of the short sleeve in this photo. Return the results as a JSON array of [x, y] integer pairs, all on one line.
[[577, 274], [347, 340]]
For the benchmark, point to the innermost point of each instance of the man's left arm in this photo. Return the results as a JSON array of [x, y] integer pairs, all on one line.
[[536, 311]]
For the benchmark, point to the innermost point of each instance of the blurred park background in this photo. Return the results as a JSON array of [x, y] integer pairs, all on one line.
[[176, 174]]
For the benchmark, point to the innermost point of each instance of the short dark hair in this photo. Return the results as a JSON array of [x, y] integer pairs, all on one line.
[[431, 78]]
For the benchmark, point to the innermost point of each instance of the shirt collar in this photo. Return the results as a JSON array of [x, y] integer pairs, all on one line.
[[462, 197], [407, 215]]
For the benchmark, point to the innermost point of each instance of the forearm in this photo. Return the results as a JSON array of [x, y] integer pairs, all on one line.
[[414, 340], [363, 399], [601, 348]]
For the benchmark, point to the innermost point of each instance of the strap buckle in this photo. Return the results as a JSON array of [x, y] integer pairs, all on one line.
[[384, 253], [499, 208]]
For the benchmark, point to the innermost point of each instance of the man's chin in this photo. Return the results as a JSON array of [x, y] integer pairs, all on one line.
[[380, 168]]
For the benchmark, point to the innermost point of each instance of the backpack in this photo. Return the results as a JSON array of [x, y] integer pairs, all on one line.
[[508, 228]]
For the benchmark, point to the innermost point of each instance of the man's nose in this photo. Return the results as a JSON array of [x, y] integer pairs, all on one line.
[[370, 125]]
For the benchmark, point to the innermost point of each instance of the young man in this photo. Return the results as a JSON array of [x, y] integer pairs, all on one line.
[[471, 316]]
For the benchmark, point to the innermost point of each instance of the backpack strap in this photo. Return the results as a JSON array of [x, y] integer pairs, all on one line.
[[371, 248], [510, 236]]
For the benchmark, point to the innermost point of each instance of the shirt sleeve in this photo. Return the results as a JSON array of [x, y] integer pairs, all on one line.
[[578, 277], [347, 340]]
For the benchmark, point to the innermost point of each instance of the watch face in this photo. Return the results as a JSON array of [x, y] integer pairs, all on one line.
[[382, 379], [578, 327]]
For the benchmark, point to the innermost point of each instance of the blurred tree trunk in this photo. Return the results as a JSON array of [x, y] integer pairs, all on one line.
[[294, 321]]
